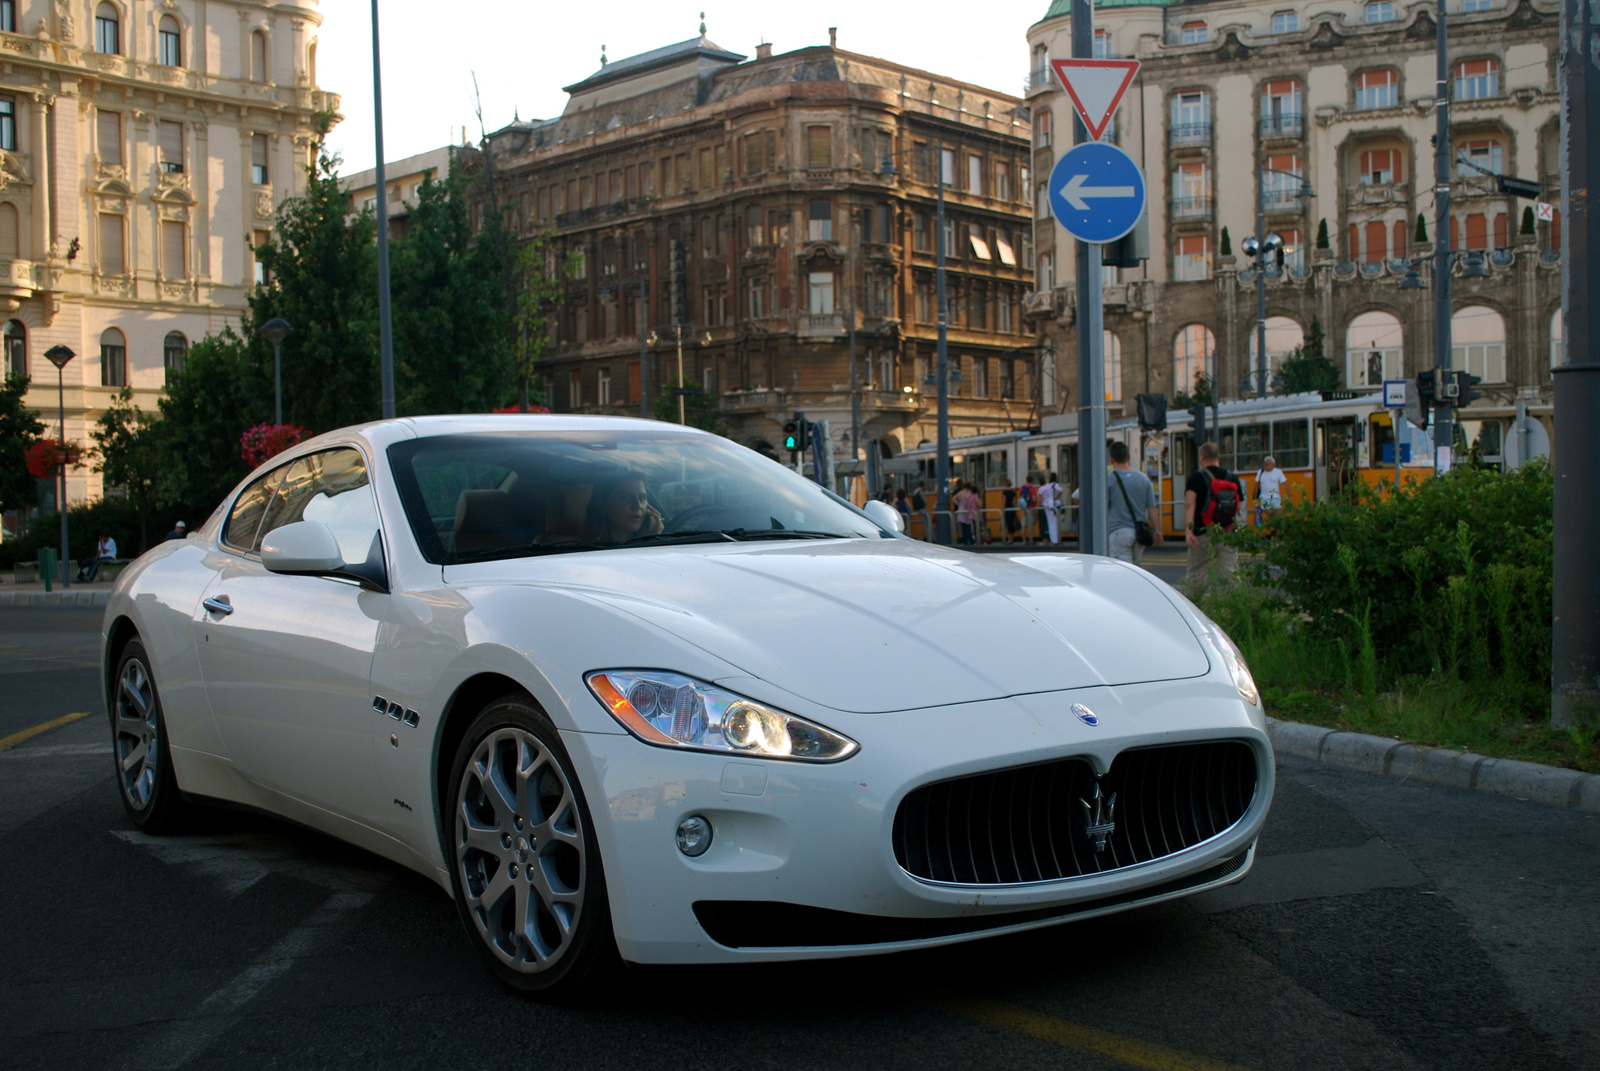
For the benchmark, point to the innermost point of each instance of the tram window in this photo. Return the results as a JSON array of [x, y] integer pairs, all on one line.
[[1038, 461], [1254, 446], [1291, 444], [1226, 441]]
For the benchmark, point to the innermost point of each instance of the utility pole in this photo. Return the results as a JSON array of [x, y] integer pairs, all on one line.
[[942, 469], [644, 351], [1091, 345], [1443, 411], [855, 392], [1575, 650]]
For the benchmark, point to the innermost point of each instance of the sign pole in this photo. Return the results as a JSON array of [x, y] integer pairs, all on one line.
[[1091, 342]]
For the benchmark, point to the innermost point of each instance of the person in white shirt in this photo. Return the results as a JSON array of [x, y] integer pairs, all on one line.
[[1269, 488], [1050, 502], [105, 551]]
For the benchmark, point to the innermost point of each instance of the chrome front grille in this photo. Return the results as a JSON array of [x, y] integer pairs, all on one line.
[[1044, 822]]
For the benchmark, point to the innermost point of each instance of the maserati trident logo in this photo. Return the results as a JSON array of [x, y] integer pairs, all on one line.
[[1085, 715], [1097, 820]]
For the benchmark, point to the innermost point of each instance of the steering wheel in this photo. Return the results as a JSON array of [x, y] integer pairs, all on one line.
[[684, 521]]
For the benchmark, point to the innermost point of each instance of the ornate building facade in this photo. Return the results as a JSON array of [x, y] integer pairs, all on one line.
[[144, 148], [749, 201], [1240, 97]]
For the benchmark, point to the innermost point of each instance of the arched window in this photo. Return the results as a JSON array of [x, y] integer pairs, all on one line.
[[16, 347], [311, 64], [1478, 343], [1283, 336], [1192, 353], [113, 358], [174, 354], [10, 234], [169, 43], [1477, 79], [107, 30], [1113, 359], [1373, 349], [258, 56]]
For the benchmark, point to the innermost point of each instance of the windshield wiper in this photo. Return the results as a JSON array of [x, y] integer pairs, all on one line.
[[529, 550], [743, 534], [667, 539]]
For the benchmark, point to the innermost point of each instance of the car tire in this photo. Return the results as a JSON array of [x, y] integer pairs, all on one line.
[[524, 861], [139, 747]]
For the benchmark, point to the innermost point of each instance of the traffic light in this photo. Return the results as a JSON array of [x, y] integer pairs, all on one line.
[[1464, 384], [791, 437], [1198, 415], [680, 282]]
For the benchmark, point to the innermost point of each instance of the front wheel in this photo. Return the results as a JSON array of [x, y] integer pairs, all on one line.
[[524, 863], [139, 746]]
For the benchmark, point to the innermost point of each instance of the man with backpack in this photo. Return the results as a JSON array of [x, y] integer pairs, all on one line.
[[1212, 501]]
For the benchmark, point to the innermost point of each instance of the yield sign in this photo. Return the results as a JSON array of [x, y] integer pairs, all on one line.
[[1096, 87]]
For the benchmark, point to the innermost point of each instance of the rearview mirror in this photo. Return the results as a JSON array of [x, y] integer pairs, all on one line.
[[884, 516], [301, 548]]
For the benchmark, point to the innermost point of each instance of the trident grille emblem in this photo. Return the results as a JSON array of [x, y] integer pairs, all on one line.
[[1097, 820]]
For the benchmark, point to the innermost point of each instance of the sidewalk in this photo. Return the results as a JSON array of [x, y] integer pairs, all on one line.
[[11, 598]]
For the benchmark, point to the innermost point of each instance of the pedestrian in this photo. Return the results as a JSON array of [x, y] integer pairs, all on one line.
[[1211, 501], [1027, 497], [105, 550], [902, 504], [1269, 488], [967, 514], [1130, 503], [1050, 505], [919, 506], [179, 531], [1008, 511]]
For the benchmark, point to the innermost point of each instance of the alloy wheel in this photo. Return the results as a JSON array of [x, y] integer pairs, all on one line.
[[520, 850], [138, 734]]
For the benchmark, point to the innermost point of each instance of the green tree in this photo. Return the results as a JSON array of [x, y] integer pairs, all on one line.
[[1529, 227], [1227, 243], [536, 279], [1322, 234], [19, 429], [1421, 234], [322, 269], [699, 409], [1308, 368], [126, 453], [1201, 395], [222, 392]]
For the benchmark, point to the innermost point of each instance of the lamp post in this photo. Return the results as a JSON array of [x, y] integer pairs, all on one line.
[[942, 469], [275, 331], [385, 331], [59, 356], [645, 338], [1266, 245]]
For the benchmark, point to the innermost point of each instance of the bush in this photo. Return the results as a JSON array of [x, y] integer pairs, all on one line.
[[119, 516]]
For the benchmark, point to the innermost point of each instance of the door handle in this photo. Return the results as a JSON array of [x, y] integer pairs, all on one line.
[[219, 605]]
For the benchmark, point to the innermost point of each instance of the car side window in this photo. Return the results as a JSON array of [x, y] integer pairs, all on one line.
[[331, 487], [245, 517]]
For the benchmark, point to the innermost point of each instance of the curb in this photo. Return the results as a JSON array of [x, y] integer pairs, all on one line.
[[54, 599], [1547, 785]]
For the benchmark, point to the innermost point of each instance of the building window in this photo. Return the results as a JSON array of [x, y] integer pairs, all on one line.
[[821, 293], [1294, 248], [1191, 191], [1041, 202], [758, 297], [1191, 118], [8, 16], [1002, 180], [1027, 250], [977, 309], [1377, 250], [1111, 349], [1005, 321], [1192, 352], [1191, 258], [1042, 130], [1373, 348], [1281, 108], [171, 140], [174, 241], [949, 238], [112, 259], [819, 146], [258, 56], [1484, 153], [819, 224], [107, 30], [947, 166], [603, 394], [1008, 378], [1193, 33], [174, 354], [574, 390], [1380, 11], [980, 377], [169, 44], [884, 213], [1469, 6], [8, 123], [16, 347], [1281, 181], [1377, 89], [1285, 22], [113, 358], [1046, 278], [754, 158], [1380, 167], [259, 241], [708, 174], [1477, 79], [975, 175], [975, 241], [258, 160], [108, 137], [755, 226], [1102, 46]]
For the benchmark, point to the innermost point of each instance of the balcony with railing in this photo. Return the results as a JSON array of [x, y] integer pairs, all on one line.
[[1037, 81], [1278, 197], [1191, 134], [1283, 125], [1191, 208], [820, 325]]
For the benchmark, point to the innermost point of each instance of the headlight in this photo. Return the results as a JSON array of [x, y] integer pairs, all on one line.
[[1236, 667], [672, 710]]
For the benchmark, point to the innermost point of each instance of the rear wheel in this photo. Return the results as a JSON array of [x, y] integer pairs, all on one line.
[[523, 858], [139, 746]]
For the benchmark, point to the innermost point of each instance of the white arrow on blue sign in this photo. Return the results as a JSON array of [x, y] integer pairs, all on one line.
[[1097, 192]]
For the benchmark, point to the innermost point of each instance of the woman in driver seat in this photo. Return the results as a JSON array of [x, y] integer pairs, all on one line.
[[620, 510]]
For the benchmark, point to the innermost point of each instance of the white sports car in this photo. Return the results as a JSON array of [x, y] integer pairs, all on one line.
[[627, 689]]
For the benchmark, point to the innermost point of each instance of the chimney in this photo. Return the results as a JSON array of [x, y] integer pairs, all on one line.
[[763, 51], [833, 37]]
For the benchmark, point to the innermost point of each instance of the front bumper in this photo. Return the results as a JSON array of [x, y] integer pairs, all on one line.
[[806, 848]]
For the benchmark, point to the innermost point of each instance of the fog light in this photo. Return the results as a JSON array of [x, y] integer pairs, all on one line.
[[694, 836]]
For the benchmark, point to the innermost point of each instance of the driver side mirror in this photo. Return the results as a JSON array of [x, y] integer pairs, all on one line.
[[885, 516], [308, 548]]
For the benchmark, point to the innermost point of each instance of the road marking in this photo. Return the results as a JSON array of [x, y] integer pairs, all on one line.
[[55, 751], [9, 742], [1082, 1038]]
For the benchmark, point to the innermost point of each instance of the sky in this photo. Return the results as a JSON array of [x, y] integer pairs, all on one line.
[[524, 51]]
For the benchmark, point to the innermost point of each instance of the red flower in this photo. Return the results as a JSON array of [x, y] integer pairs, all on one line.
[[47, 456], [513, 409], [266, 441]]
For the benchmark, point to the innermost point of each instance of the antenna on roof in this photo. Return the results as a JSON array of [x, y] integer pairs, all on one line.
[[602, 57], [702, 24]]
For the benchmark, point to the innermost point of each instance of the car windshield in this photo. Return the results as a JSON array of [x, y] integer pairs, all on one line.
[[479, 497]]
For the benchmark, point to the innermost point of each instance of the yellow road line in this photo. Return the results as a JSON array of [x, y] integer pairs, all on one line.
[[1087, 1039], [8, 742]]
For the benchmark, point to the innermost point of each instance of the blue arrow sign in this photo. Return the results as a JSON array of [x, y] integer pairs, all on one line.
[[1097, 192]]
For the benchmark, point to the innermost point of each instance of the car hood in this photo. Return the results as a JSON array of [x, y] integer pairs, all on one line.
[[874, 626]]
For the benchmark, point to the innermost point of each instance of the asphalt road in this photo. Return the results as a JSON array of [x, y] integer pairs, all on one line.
[[1385, 926]]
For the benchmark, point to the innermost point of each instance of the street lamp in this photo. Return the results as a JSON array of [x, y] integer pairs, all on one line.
[[275, 331], [59, 356], [942, 470], [1269, 245]]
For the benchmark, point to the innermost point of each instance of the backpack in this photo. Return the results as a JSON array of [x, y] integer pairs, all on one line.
[[1222, 500], [1025, 495]]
